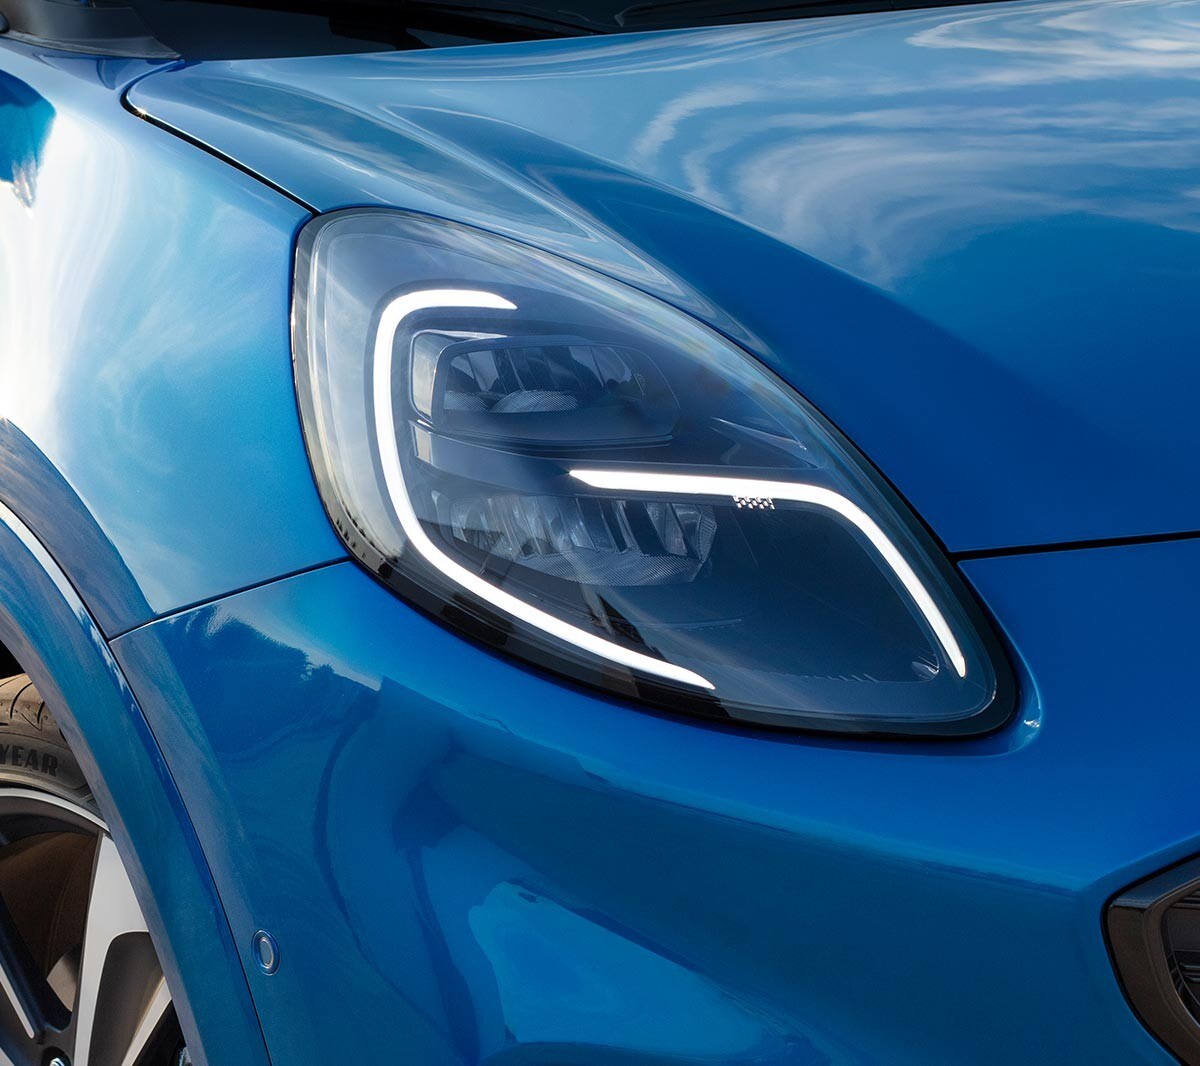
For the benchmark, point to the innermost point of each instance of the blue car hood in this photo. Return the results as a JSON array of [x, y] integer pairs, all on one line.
[[971, 235]]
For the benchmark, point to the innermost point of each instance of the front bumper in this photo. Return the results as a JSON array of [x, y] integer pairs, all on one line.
[[464, 861]]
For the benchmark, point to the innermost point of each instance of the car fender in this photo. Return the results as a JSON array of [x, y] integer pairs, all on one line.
[[50, 631]]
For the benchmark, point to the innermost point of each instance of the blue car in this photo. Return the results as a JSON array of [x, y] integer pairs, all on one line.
[[591, 534]]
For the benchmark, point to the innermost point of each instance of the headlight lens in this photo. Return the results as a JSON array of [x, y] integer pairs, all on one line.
[[582, 476]]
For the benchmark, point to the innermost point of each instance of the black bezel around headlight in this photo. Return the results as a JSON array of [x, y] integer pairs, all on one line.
[[454, 606]]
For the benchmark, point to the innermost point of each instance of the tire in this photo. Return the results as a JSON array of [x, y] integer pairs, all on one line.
[[33, 750]]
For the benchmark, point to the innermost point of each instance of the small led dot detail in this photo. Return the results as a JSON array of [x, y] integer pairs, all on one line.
[[754, 503]]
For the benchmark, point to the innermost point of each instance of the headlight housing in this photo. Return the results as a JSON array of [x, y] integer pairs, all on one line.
[[584, 477]]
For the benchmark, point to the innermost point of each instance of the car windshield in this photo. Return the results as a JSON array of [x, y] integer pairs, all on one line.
[[553, 18], [264, 28]]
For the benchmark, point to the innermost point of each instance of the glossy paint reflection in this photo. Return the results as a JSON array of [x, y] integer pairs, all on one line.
[[25, 118], [510, 870], [46, 626], [433, 945], [971, 236], [561, 978], [144, 353]]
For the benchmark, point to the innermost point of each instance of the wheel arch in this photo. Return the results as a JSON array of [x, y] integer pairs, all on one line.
[[47, 631]]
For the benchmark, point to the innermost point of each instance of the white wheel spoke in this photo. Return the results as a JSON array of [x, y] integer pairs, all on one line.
[[6, 986], [105, 1001], [113, 911], [153, 1015]]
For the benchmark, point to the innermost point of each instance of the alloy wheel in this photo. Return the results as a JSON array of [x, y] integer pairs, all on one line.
[[80, 982]]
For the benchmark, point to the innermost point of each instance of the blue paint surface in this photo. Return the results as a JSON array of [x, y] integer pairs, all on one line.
[[968, 235], [148, 428], [46, 626], [492, 859]]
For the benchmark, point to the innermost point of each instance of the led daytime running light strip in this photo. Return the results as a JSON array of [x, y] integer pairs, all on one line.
[[612, 480], [796, 492], [385, 429]]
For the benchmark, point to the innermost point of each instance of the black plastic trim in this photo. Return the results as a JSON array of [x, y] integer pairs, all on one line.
[[1134, 923], [485, 628], [112, 30]]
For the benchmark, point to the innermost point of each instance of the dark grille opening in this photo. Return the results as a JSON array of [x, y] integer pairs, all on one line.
[[1154, 934]]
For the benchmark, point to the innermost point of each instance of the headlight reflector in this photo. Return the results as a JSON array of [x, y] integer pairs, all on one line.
[[574, 472]]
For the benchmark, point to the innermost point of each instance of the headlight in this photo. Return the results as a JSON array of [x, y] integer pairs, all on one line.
[[583, 477]]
